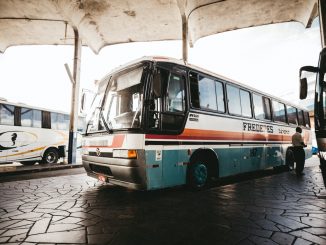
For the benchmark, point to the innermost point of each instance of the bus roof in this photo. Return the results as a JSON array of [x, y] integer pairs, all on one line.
[[164, 59]]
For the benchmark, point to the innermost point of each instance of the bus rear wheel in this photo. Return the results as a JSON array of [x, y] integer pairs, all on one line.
[[50, 156], [198, 175], [289, 159]]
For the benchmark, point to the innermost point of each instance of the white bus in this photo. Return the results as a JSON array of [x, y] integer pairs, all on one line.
[[157, 123], [30, 134]]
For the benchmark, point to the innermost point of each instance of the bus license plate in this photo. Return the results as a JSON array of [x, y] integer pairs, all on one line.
[[101, 178]]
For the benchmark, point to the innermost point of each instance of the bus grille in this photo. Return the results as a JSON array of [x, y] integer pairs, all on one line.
[[101, 169]]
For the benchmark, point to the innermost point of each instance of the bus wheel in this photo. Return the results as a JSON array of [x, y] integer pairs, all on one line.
[[50, 156], [197, 175], [289, 159], [28, 163]]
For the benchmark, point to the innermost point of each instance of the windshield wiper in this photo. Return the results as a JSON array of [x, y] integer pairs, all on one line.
[[107, 127]]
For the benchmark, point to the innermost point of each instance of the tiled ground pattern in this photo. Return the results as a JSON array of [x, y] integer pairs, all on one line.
[[278, 209]]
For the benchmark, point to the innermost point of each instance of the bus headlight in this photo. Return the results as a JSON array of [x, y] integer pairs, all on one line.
[[130, 154], [85, 151]]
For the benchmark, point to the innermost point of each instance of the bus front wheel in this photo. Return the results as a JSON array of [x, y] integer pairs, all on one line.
[[50, 156], [197, 175]]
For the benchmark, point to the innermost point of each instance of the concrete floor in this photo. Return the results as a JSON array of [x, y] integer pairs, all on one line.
[[75, 209]]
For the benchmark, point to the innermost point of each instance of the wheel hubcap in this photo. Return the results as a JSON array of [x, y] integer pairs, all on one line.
[[50, 157], [200, 174]]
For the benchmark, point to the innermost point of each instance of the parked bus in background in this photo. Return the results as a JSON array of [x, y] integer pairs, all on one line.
[[30, 134], [319, 102], [157, 123]]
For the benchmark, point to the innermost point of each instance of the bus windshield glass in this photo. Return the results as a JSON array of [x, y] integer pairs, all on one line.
[[123, 103]]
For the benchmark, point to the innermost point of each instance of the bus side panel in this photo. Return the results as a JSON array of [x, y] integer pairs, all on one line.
[[154, 168], [174, 169], [229, 160], [253, 158]]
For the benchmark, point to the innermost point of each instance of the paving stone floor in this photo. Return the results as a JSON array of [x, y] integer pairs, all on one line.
[[277, 209]]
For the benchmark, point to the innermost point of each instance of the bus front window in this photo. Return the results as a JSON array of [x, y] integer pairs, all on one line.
[[123, 103]]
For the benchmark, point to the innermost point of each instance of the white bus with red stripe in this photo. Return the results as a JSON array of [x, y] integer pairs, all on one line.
[[157, 122]]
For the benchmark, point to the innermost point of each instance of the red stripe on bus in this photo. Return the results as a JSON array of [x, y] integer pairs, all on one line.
[[197, 134]]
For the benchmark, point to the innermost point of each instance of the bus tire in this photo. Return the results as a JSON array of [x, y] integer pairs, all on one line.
[[289, 159], [198, 175], [50, 156], [28, 163]]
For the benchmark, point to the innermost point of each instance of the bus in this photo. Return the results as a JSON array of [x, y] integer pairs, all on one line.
[[319, 102], [158, 122], [31, 134]]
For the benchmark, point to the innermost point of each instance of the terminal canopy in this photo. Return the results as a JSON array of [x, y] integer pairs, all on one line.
[[107, 22]]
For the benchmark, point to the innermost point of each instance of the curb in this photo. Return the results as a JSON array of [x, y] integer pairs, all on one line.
[[16, 170]]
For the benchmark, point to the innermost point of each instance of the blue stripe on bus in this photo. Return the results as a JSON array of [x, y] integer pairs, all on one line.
[[171, 168]]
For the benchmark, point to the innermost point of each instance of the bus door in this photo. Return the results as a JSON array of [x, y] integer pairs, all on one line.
[[166, 113]]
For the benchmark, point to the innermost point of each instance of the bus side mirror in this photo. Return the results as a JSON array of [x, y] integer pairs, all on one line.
[[303, 80], [303, 88], [82, 104], [87, 97]]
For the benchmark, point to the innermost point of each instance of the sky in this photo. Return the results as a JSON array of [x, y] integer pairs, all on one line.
[[267, 58]]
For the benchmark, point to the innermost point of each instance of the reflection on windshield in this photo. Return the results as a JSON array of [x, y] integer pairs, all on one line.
[[122, 109]]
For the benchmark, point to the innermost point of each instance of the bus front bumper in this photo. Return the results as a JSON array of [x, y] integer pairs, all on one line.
[[129, 173]]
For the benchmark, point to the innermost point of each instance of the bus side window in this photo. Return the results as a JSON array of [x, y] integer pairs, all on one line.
[[7, 114], [262, 109], [37, 119], [61, 122], [279, 111], [219, 90], [207, 95], [301, 119], [54, 120], [238, 101], [67, 122], [245, 103], [306, 119], [292, 115], [234, 103], [267, 108], [26, 117]]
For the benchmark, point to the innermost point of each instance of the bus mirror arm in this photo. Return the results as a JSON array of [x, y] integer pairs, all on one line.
[[308, 69]]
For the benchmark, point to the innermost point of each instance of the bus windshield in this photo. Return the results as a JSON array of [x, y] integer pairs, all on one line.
[[123, 103]]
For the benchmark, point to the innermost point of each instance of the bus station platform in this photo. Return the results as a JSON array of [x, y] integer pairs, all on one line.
[[279, 208]]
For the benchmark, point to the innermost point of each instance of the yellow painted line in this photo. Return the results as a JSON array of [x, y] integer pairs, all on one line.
[[29, 151]]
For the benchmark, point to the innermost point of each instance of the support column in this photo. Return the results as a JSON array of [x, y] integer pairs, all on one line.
[[72, 145], [184, 38], [322, 21]]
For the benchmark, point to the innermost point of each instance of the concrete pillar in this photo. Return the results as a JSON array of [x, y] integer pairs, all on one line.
[[322, 21], [72, 145], [184, 38]]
